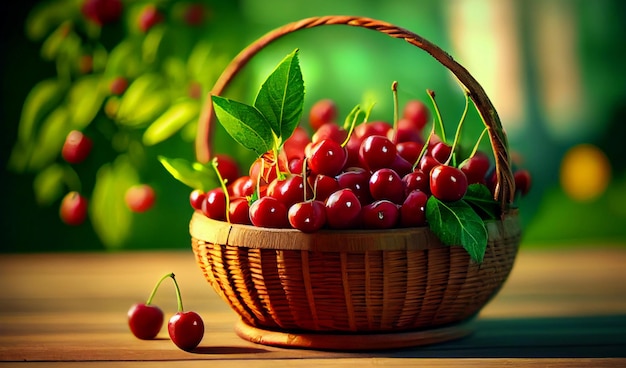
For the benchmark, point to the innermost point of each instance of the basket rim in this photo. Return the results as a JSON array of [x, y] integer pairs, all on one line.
[[209, 230]]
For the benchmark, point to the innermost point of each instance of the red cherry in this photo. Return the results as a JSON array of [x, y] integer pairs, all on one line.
[[387, 184], [372, 128], [404, 134], [476, 167], [76, 147], [326, 157], [288, 191], [145, 320], [239, 211], [227, 167], [186, 329], [295, 144], [413, 210], [352, 151], [196, 198], [323, 186], [269, 212], [214, 205], [382, 214], [427, 163], [194, 14], [241, 187], [149, 17], [323, 111], [140, 198], [357, 180], [73, 210], [343, 209], [330, 131], [377, 152], [448, 183], [522, 181], [417, 180], [410, 151], [307, 217], [118, 85], [102, 12], [417, 113], [401, 166], [441, 152]]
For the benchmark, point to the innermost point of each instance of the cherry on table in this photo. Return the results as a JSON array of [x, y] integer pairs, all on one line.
[[145, 319], [186, 328]]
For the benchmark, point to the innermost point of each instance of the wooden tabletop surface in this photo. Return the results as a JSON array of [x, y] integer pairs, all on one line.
[[559, 308]]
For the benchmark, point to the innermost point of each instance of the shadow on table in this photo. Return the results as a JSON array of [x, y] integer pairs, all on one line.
[[558, 337]]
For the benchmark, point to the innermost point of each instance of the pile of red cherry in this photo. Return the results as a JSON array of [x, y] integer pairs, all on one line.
[[379, 177]]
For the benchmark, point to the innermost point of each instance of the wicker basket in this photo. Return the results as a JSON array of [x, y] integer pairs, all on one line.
[[357, 289]]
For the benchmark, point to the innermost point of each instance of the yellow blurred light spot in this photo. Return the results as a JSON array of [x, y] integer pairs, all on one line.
[[585, 172]]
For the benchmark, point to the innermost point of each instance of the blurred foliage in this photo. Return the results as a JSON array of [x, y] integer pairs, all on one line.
[[59, 66]]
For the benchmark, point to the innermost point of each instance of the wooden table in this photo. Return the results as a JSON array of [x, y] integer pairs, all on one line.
[[559, 308]]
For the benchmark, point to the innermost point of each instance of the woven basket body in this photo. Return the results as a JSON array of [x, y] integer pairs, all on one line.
[[356, 281], [350, 281]]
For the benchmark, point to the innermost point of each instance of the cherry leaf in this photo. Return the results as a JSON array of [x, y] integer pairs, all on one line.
[[281, 97], [245, 124], [457, 224], [479, 197], [192, 174]]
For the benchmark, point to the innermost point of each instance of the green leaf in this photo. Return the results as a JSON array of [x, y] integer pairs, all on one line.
[[281, 97], [479, 197], [47, 15], [109, 215], [124, 59], [42, 99], [143, 101], [48, 184], [85, 99], [456, 224], [194, 175], [171, 121], [245, 124], [50, 138]]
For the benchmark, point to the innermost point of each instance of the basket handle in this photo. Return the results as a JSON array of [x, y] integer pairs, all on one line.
[[505, 185]]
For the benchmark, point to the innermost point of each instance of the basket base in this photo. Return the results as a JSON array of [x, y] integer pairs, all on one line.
[[353, 342]]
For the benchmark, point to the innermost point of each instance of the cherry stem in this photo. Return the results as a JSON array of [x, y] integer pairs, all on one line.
[[431, 94], [304, 183], [394, 90], [350, 123], [156, 287], [215, 164], [480, 138], [424, 147], [457, 135], [179, 298]]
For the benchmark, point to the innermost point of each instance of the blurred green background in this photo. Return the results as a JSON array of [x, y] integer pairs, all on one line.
[[553, 68]]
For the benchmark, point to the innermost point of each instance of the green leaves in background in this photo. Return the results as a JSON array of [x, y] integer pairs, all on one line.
[[456, 224], [171, 121], [110, 217], [85, 99], [144, 100], [194, 175], [276, 111]]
